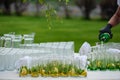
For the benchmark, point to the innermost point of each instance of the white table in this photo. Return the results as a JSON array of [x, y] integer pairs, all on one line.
[[92, 75]]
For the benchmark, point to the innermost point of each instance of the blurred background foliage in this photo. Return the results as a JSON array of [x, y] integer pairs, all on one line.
[[81, 19], [104, 8]]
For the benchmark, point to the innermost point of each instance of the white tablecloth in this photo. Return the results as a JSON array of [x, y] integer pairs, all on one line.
[[92, 75]]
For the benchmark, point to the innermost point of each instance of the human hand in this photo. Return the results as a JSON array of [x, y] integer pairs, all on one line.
[[106, 29]]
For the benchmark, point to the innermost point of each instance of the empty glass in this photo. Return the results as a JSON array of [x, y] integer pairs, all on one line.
[[28, 38], [1, 41], [2, 65], [8, 42], [16, 41]]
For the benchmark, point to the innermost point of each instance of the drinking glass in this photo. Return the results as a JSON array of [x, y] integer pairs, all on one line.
[[2, 65], [28, 38], [16, 41], [1, 41], [8, 42]]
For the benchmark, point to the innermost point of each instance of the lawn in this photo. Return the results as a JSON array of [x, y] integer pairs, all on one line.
[[77, 30]]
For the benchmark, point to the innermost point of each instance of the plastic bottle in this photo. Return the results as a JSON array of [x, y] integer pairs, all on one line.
[[105, 37]]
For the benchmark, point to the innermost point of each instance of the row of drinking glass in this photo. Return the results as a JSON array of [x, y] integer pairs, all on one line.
[[62, 48], [35, 61], [8, 56], [107, 51], [105, 56], [14, 41]]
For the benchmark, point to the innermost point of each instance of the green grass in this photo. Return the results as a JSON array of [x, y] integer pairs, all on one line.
[[77, 30]]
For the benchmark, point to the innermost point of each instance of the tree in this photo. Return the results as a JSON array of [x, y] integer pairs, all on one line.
[[66, 10], [108, 8], [86, 6], [20, 6], [38, 6], [6, 6]]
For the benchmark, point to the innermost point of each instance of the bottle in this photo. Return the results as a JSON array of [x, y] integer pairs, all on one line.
[[105, 37]]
